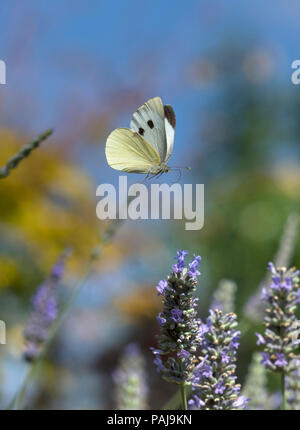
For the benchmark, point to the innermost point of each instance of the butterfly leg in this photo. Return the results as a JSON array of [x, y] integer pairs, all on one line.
[[152, 176], [146, 177]]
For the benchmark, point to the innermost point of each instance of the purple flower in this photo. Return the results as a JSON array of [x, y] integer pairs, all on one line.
[[203, 370], [260, 339], [195, 402], [204, 328], [193, 271], [225, 357], [161, 320], [206, 371], [265, 295], [159, 364], [266, 359], [156, 351], [235, 340], [282, 279], [280, 360], [44, 302], [180, 264], [241, 402], [271, 268], [176, 315], [161, 286], [183, 354], [219, 388]]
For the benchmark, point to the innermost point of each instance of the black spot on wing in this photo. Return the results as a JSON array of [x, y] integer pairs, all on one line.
[[150, 123], [141, 131], [170, 115]]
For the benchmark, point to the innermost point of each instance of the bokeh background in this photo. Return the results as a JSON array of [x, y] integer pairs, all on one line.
[[83, 68]]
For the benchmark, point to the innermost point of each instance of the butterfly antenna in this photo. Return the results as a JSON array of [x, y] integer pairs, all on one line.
[[179, 175], [181, 167]]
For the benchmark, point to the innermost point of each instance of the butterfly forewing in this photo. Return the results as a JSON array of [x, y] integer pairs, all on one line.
[[170, 123], [149, 122], [127, 151]]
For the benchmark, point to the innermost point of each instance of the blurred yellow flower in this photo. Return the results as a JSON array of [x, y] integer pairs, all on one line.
[[141, 303], [8, 270], [46, 205]]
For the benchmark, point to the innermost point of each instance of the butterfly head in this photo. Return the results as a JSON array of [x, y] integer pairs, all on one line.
[[165, 169]]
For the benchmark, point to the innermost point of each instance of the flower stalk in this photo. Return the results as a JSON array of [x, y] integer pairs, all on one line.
[[24, 152]]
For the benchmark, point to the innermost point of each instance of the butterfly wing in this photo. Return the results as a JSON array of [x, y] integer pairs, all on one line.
[[170, 123], [126, 150], [149, 122]]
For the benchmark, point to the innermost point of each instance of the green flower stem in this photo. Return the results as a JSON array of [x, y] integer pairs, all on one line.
[[14, 161], [179, 397], [174, 402], [183, 396], [182, 389]]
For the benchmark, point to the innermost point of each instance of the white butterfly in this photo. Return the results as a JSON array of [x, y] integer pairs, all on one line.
[[147, 146]]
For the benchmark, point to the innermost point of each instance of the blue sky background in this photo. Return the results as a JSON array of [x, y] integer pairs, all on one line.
[[62, 53]]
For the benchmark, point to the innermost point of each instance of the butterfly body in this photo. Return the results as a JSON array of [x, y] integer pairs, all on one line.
[[158, 170], [147, 145]]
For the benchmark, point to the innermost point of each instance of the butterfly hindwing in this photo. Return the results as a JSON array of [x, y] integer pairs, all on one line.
[[149, 122], [126, 150]]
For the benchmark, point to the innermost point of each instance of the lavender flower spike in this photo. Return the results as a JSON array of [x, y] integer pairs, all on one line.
[[255, 386], [223, 297], [280, 338], [130, 380], [293, 387], [179, 326], [44, 311], [214, 381]]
